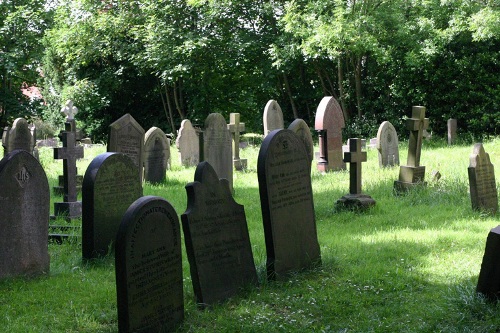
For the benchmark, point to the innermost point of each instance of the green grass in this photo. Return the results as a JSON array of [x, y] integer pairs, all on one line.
[[410, 264]]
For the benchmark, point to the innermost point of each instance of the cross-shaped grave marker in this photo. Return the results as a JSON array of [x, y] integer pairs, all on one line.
[[69, 110], [235, 127]]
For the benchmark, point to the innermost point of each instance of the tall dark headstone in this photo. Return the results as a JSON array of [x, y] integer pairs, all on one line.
[[217, 146], [216, 236], [24, 215], [156, 155], [111, 184], [483, 189], [286, 198], [413, 173], [236, 127], [18, 137], [488, 282], [148, 263]]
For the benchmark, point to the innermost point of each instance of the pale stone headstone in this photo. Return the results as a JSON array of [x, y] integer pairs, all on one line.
[[329, 123], [488, 282], [24, 215], [188, 144], [387, 145], [217, 143], [273, 117], [413, 173], [111, 184], [452, 131], [300, 127], [126, 136], [286, 197], [156, 155], [483, 190], [235, 127], [18, 136], [216, 237], [148, 264]]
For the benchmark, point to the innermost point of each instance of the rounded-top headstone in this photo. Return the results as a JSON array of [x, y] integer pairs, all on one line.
[[188, 144], [387, 145], [156, 155], [273, 117], [329, 116], [300, 127]]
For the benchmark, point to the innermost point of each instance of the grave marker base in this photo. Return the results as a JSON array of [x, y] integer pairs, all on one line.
[[410, 174], [355, 202], [403, 187], [240, 164], [69, 210]]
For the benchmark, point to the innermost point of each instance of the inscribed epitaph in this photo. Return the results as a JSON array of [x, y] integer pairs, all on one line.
[[111, 184], [387, 145], [24, 216], [286, 197], [483, 190], [188, 144], [236, 127], [273, 117], [18, 137], [148, 265], [216, 236], [156, 155], [488, 282], [300, 127]]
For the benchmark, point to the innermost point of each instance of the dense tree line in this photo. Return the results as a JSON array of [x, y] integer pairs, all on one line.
[[163, 61]]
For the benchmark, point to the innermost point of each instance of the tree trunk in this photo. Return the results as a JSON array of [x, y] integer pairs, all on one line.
[[167, 110], [289, 93], [323, 85], [169, 103], [340, 76], [357, 78], [176, 100]]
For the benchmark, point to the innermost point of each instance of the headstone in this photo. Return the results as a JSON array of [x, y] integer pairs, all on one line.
[[126, 136], [24, 214], [355, 199], [300, 127], [488, 282], [156, 155], [373, 143], [111, 184], [17, 137], [329, 123], [273, 117], [188, 144], [286, 197], [148, 263], [216, 236], [413, 173], [452, 131], [436, 175], [483, 190], [387, 145], [69, 153], [217, 146], [235, 127]]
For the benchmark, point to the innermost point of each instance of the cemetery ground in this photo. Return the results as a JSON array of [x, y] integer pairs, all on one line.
[[409, 264]]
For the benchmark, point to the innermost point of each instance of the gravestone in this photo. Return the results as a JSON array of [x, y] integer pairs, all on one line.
[[18, 137], [69, 153], [216, 236], [413, 173], [70, 111], [217, 147], [188, 144], [355, 199], [273, 117], [235, 127], [286, 198], [156, 155], [126, 136], [111, 184], [452, 131], [483, 190], [329, 123], [148, 263], [488, 282], [387, 145], [24, 215], [300, 127]]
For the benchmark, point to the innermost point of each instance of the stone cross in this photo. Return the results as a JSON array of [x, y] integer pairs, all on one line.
[[235, 127], [355, 156], [69, 110], [416, 124]]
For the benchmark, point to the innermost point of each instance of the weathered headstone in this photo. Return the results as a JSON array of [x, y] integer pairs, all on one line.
[[273, 117], [111, 184], [452, 131], [413, 173], [235, 127], [387, 145], [69, 153], [483, 190], [329, 123], [217, 146], [126, 136], [148, 265], [355, 199], [300, 127], [18, 137], [286, 197], [156, 155], [188, 144], [24, 214], [216, 237], [70, 111], [488, 282]]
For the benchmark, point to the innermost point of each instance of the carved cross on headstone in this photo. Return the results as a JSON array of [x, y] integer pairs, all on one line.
[[69, 110], [416, 124], [235, 127], [355, 157]]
